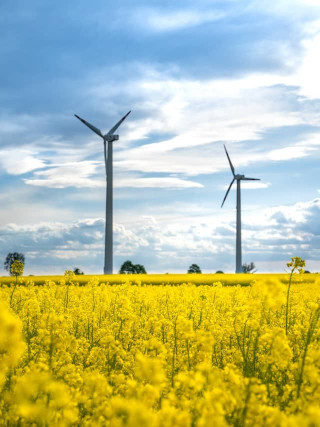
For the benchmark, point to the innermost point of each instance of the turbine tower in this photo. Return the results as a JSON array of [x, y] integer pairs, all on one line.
[[108, 137], [237, 178]]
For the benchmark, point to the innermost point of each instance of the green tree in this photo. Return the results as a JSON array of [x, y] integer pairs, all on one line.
[[11, 258], [126, 268], [249, 268], [219, 272], [194, 268], [77, 271], [139, 269], [129, 268]]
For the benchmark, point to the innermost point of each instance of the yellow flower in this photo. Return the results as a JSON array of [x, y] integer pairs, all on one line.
[[38, 398], [12, 345], [188, 354], [296, 263]]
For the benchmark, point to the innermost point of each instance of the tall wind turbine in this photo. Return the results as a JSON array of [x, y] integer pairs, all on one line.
[[108, 137], [237, 178]]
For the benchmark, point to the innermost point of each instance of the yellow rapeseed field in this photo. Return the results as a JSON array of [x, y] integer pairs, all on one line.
[[131, 354]]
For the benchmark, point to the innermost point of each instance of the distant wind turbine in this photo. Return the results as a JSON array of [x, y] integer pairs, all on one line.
[[237, 178], [108, 137]]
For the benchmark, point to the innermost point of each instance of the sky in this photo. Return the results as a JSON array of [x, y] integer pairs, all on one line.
[[196, 75]]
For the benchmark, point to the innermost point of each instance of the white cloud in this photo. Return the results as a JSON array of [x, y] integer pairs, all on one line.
[[20, 161], [173, 243], [197, 115], [288, 153], [253, 185], [157, 20], [200, 112], [68, 175], [85, 175], [184, 116], [249, 185], [188, 119], [165, 182], [308, 74], [308, 146]]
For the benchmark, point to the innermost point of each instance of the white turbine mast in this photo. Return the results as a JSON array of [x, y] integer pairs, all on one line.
[[108, 137], [238, 178]]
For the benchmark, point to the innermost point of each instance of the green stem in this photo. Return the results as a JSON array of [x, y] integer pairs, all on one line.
[[311, 329], [188, 353], [287, 307], [14, 288]]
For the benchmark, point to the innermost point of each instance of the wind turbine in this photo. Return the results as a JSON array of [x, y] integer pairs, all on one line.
[[237, 178], [108, 137]]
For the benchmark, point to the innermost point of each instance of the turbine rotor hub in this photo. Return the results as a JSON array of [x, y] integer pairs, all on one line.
[[111, 138]]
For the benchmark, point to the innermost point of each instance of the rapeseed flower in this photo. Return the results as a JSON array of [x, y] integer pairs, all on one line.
[[127, 355]]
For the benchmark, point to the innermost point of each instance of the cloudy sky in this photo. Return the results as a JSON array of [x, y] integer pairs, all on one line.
[[196, 75]]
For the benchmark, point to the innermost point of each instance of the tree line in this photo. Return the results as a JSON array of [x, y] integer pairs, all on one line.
[[126, 268]]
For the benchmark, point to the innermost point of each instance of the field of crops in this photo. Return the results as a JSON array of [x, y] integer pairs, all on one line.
[[137, 355], [164, 279]]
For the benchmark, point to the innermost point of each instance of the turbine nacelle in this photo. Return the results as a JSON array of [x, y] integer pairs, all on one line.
[[111, 138], [236, 177]]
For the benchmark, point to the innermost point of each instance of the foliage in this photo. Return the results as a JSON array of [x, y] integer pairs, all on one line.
[[139, 269], [11, 258], [219, 272], [249, 268], [194, 268], [129, 268], [77, 271]]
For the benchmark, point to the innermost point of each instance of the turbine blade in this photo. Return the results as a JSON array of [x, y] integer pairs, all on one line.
[[228, 191], [250, 179], [93, 128], [231, 165], [115, 127]]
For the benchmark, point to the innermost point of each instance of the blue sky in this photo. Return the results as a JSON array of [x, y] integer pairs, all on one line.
[[196, 75]]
